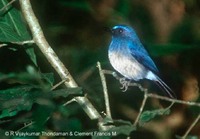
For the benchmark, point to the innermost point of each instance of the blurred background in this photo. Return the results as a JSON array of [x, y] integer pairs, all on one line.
[[169, 29]]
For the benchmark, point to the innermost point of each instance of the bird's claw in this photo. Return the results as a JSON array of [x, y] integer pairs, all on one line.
[[124, 84]]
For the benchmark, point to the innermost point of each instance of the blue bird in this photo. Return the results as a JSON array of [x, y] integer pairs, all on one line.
[[128, 56]]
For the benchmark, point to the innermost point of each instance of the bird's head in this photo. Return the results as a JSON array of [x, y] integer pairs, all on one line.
[[123, 31]]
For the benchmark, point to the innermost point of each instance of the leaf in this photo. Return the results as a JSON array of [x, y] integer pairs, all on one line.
[[7, 33], [39, 116], [115, 128], [31, 53], [124, 129], [49, 77], [14, 100], [68, 91], [31, 77], [17, 29], [146, 116], [13, 29]]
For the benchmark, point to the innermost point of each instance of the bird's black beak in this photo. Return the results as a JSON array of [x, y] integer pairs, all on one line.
[[107, 29]]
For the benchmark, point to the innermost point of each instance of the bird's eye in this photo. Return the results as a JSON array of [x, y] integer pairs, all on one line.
[[120, 30]]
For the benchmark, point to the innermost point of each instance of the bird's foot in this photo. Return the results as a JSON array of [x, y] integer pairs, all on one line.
[[124, 84]]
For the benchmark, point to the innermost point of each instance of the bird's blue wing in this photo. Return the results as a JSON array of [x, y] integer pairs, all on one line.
[[141, 55]]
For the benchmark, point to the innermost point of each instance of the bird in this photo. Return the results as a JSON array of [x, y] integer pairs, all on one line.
[[128, 56]]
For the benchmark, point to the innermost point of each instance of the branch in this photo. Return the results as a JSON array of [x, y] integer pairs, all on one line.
[[148, 95], [53, 59], [191, 126], [18, 43], [105, 90], [24, 42], [141, 108], [154, 95], [174, 100], [6, 6], [2, 45]]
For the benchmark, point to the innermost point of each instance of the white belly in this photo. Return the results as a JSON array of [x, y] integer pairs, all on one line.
[[127, 66]]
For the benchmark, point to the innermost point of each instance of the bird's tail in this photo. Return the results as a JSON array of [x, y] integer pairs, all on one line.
[[165, 87]]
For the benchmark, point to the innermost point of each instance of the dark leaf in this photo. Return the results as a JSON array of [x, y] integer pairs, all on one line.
[[115, 128], [15, 29], [31, 77], [148, 115], [15, 99], [31, 53], [68, 91], [49, 77]]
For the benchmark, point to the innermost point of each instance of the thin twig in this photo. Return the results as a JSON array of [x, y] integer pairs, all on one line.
[[141, 108], [191, 126], [58, 84], [133, 84], [68, 102], [24, 42], [26, 125], [40, 40], [19, 43], [2, 45], [6, 6], [174, 100], [105, 90], [154, 95]]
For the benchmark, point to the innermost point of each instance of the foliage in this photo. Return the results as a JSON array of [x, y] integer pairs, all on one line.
[[76, 29]]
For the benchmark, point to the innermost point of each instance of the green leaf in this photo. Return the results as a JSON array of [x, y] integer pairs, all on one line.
[[124, 129], [22, 97], [31, 77], [15, 26], [146, 116], [7, 33], [68, 91], [14, 100], [49, 77], [115, 128], [31, 53], [39, 116]]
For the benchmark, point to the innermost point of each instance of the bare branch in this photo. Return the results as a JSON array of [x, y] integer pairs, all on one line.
[[58, 84], [18, 43], [2, 45], [68, 102], [191, 126], [154, 95], [141, 108], [53, 59], [6, 6], [105, 90], [174, 100], [26, 125], [24, 42]]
